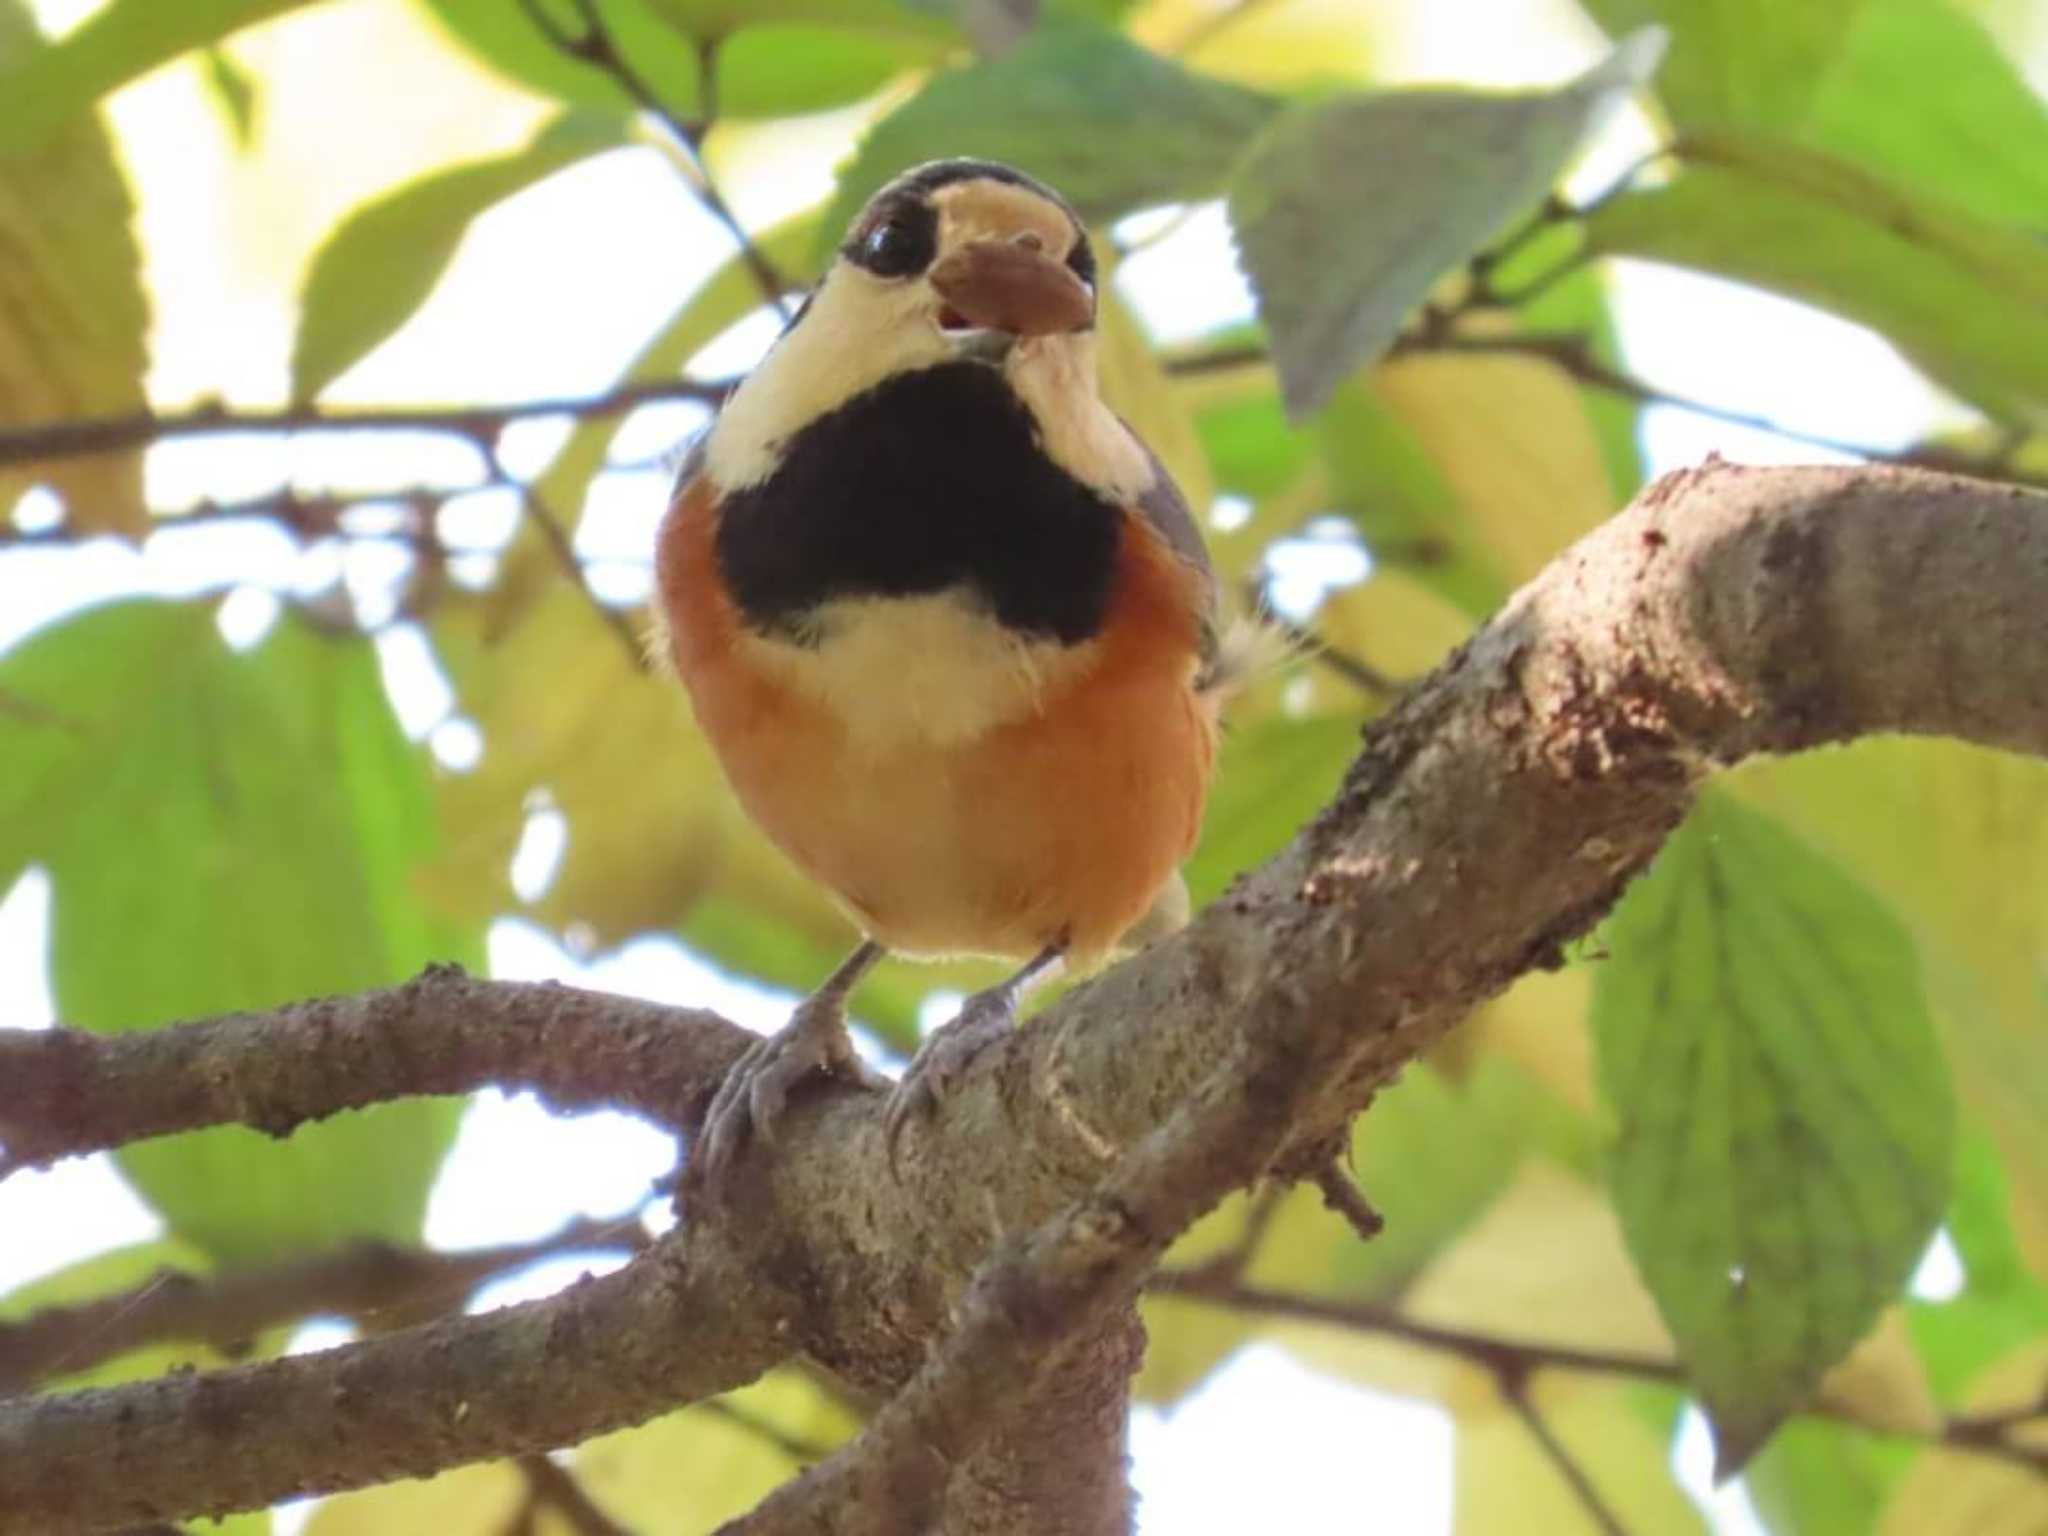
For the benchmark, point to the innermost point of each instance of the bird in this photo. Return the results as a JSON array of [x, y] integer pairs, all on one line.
[[947, 624]]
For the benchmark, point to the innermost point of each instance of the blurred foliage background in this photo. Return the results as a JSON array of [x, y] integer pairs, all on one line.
[[324, 528]]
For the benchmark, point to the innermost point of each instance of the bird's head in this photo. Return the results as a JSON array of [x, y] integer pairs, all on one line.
[[956, 261], [971, 255]]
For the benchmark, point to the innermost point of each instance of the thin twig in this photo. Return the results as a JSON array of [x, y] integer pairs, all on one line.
[[51, 441], [597, 46], [1507, 1358], [1342, 1195], [563, 547], [1574, 355], [795, 1447], [549, 1486], [1515, 1390]]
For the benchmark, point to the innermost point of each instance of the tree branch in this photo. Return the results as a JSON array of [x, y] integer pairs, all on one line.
[[603, 1354], [551, 1487], [1520, 786], [369, 1281], [65, 1091], [1514, 1360], [50, 441]]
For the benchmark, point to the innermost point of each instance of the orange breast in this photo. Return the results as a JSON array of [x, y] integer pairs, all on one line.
[[1061, 824]]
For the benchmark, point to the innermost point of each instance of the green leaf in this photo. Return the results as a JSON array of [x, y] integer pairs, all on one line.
[[1111, 126], [1785, 1119], [1966, 300], [44, 87], [502, 34], [1274, 774], [1821, 1479], [233, 89], [379, 264], [1956, 839], [1922, 93], [1750, 62], [1578, 305], [1347, 210], [1410, 516], [242, 831], [73, 320], [782, 56]]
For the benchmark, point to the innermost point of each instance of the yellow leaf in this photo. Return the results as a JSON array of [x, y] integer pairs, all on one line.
[[1288, 44], [1512, 438], [1391, 622], [688, 1471], [1545, 1262], [72, 315], [470, 1501], [564, 710], [1507, 1486], [1540, 1023], [1883, 1383], [1947, 1493]]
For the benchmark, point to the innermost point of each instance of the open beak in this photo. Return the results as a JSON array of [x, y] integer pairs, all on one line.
[[1009, 290]]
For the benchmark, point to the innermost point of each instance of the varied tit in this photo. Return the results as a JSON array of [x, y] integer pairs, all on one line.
[[945, 620]]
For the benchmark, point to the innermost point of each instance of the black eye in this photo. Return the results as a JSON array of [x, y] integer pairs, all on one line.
[[900, 244], [1081, 259]]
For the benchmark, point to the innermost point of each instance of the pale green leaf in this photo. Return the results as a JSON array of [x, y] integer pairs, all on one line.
[[240, 831], [1785, 1121], [1965, 300], [73, 320], [378, 266], [1922, 93], [1956, 839], [1348, 210], [786, 56], [1749, 62], [1112, 126], [43, 88]]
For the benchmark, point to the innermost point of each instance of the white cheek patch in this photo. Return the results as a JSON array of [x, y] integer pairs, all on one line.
[[1055, 377]]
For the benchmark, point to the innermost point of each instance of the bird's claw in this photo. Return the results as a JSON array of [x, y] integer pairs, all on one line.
[[755, 1091], [982, 1020]]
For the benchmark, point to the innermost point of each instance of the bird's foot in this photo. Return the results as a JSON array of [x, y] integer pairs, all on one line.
[[756, 1089], [983, 1019]]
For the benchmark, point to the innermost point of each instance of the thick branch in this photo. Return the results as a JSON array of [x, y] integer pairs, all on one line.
[[603, 1354], [64, 1091]]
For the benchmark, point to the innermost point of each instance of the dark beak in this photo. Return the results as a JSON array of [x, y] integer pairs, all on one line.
[[994, 286]]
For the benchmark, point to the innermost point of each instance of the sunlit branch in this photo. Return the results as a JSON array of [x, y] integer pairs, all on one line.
[[65, 1091]]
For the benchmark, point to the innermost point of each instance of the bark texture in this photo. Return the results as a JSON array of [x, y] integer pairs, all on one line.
[[983, 1300]]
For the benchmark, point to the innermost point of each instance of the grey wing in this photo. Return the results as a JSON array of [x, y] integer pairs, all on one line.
[[1167, 511]]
